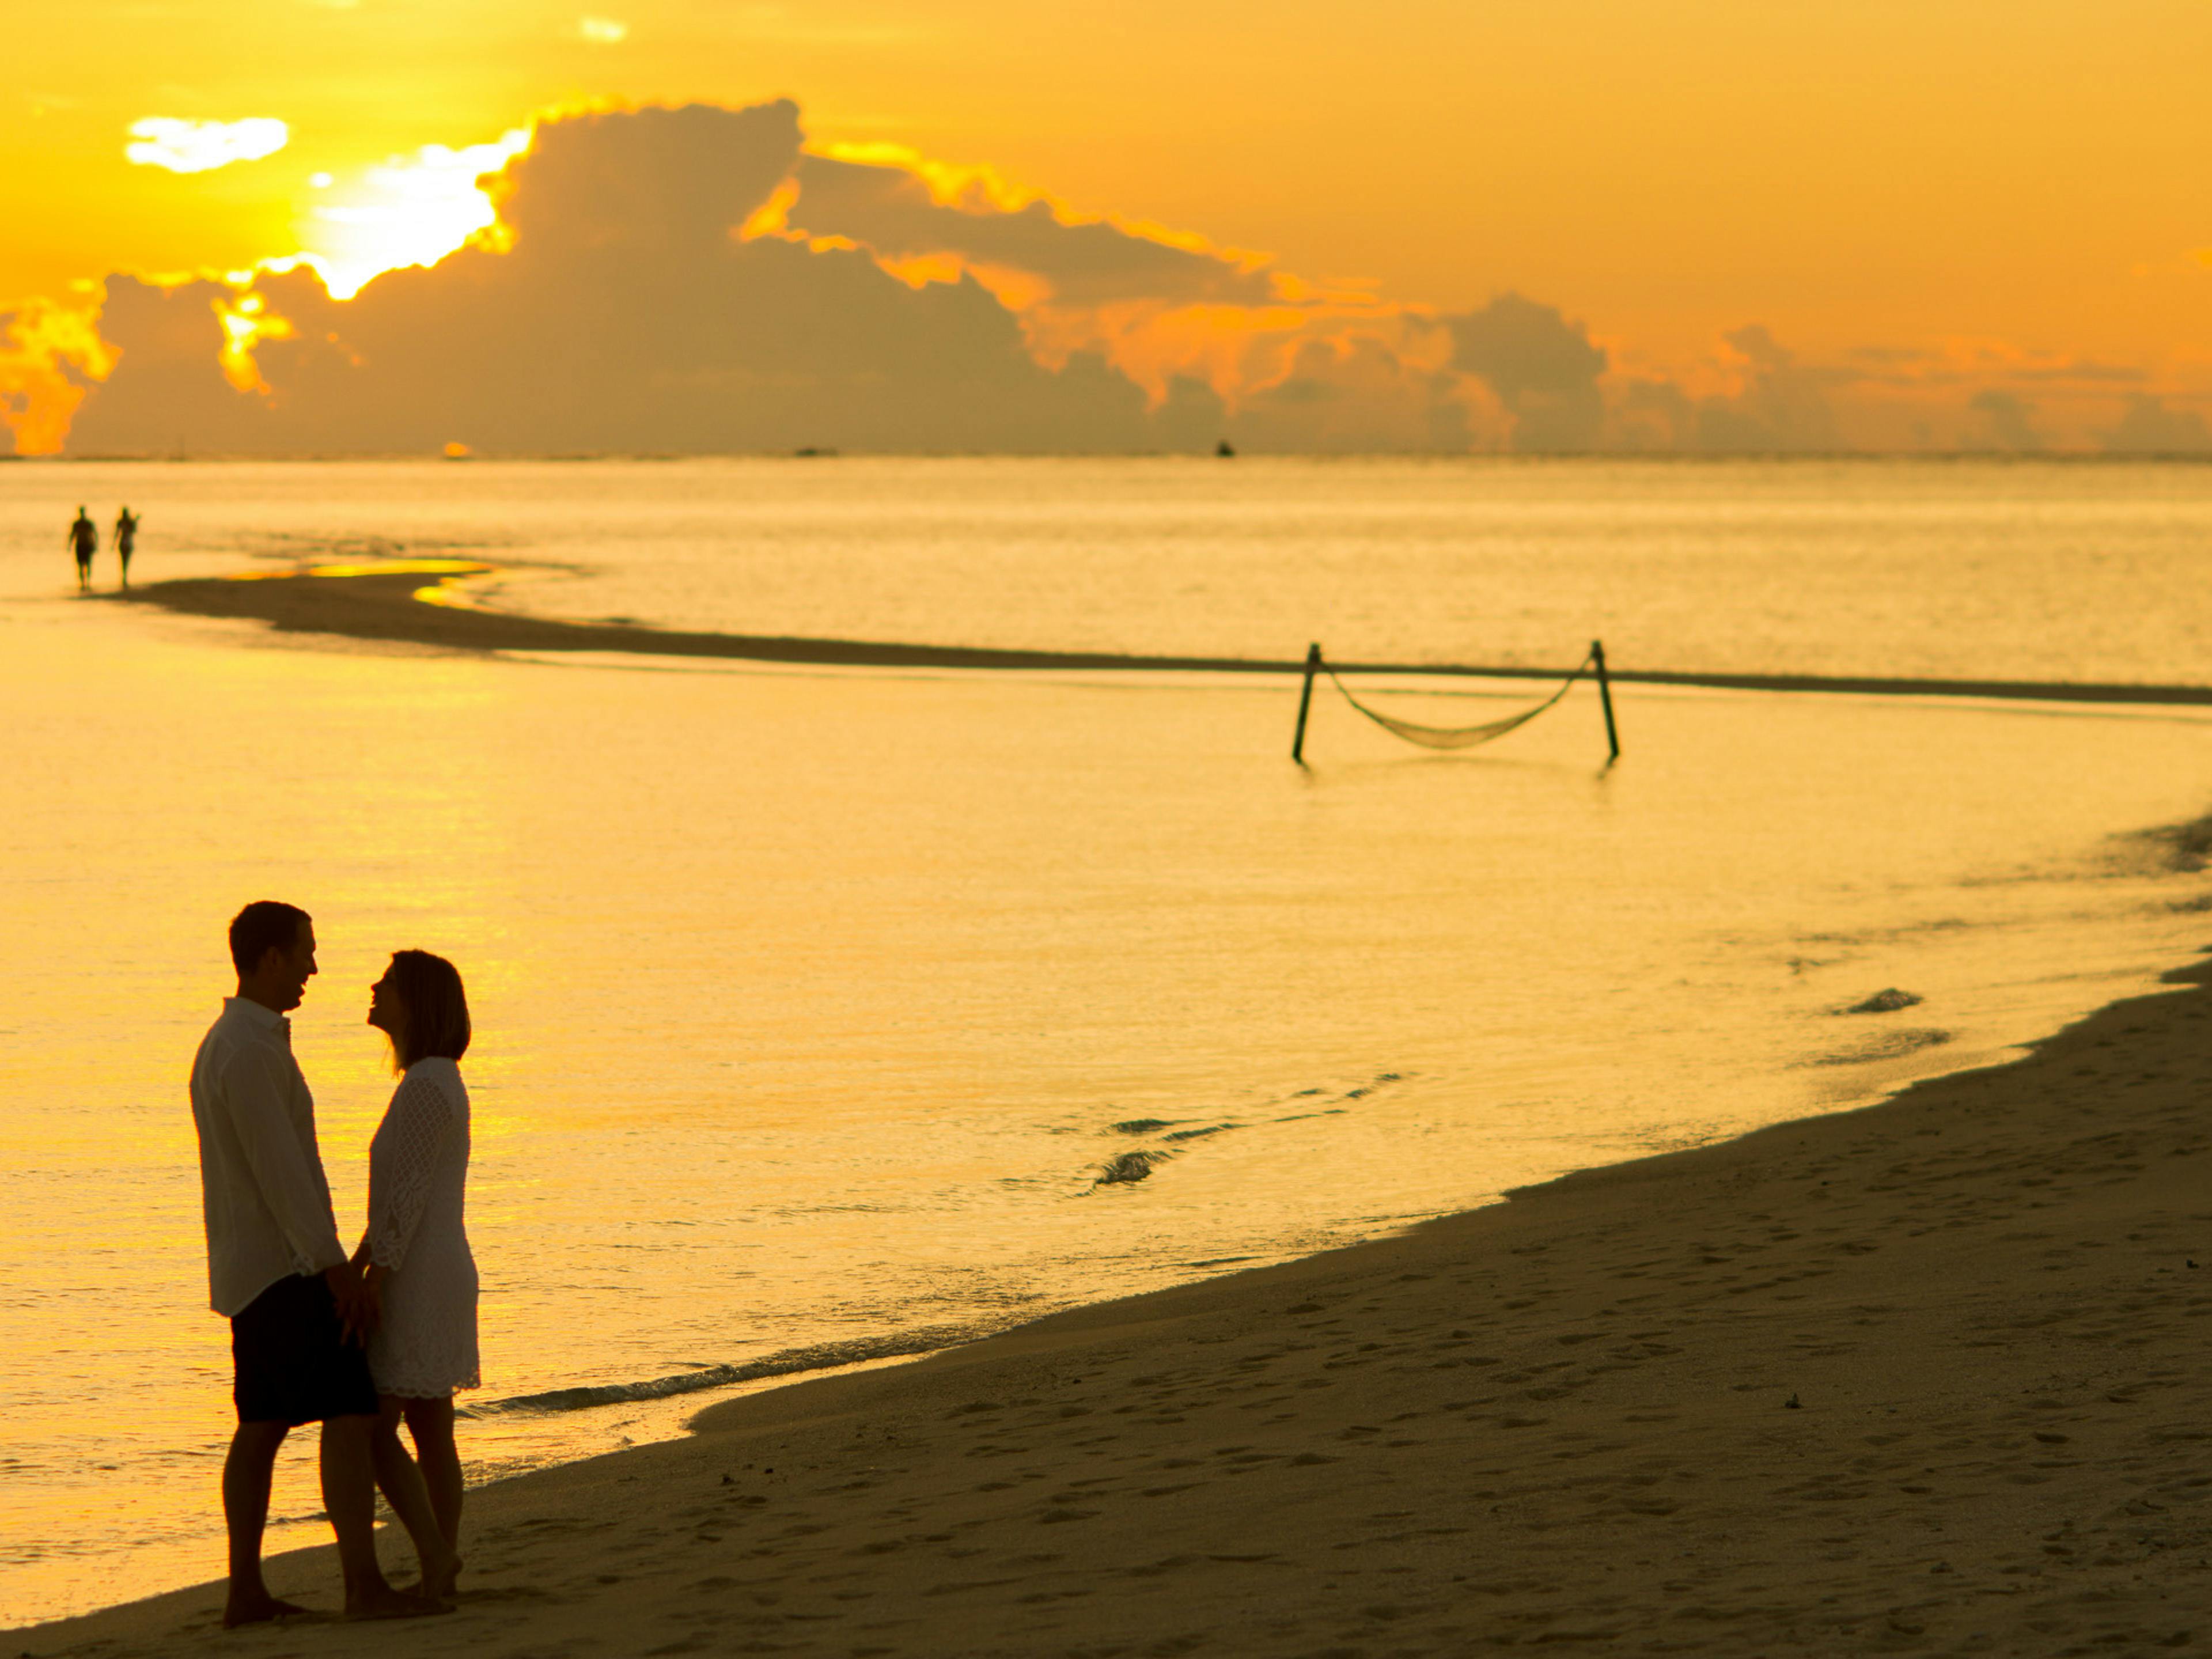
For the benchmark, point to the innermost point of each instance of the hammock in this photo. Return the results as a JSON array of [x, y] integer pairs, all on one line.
[[1455, 736]]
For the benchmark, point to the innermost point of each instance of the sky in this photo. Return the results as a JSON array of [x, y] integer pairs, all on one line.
[[1589, 224]]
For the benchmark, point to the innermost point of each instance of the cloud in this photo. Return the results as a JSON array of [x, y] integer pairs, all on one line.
[[1963, 394], [170, 345], [2007, 419], [618, 312], [670, 182], [602, 31], [2149, 427], [701, 280], [1159, 304], [690, 280], [161, 140], [1651, 414], [50, 356], [900, 211], [1358, 393], [1560, 393], [1543, 368], [1780, 407]]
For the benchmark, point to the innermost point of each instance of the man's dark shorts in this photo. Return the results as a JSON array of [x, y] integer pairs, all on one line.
[[293, 1364]]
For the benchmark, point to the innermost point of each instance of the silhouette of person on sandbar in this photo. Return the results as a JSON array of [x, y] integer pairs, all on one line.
[[126, 538], [84, 539]]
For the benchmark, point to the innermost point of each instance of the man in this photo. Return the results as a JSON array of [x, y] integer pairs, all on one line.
[[299, 1312], [126, 540], [84, 537]]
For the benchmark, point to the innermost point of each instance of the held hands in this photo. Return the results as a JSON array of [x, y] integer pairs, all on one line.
[[360, 1306]]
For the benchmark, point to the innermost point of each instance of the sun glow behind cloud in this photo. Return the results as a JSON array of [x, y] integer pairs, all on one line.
[[50, 354], [161, 140], [408, 212], [246, 323]]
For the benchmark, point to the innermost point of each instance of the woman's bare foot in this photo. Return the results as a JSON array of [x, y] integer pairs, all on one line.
[[437, 1584], [257, 1609], [386, 1602]]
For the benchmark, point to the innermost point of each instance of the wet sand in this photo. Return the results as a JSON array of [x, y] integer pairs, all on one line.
[[371, 604], [1924, 1377]]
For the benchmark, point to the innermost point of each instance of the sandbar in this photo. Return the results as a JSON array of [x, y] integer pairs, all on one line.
[[403, 606]]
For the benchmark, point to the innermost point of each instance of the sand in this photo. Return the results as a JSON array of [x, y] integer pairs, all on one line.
[[366, 604], [1924, 1377]]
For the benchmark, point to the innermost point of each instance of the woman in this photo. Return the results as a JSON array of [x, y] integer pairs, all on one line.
[[416, 1255]]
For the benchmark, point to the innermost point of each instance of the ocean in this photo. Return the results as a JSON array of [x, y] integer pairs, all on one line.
[[829, 1015]]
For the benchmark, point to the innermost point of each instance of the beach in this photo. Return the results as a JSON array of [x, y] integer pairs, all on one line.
[[1925, 1376]]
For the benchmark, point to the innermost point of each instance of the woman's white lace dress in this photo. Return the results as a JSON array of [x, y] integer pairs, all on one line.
[[425, 1347]]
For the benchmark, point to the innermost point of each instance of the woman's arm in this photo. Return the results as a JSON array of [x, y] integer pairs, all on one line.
[[401, 1160]]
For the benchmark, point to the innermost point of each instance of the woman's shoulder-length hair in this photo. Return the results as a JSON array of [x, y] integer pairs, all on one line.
[[429, 988]]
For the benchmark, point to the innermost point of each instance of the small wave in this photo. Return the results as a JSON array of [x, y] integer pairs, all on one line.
[[1885, 1002], [824, 1356], [1340, 1100], [2182, 849], [1128, 1167], [1890, 1045]]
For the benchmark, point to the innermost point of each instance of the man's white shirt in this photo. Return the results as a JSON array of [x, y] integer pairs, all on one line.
[[261, 1176]]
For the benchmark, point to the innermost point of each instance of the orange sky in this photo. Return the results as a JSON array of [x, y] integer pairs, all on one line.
[[1926, 175]]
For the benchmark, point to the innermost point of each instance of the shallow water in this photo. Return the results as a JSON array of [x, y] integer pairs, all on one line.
[[812, 1005]]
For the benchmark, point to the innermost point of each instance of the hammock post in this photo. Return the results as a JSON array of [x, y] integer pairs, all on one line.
[[1605, 700], [1305, 701]]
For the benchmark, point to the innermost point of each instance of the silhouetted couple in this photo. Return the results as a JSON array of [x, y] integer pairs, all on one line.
[[84, 541], [356, 1343]]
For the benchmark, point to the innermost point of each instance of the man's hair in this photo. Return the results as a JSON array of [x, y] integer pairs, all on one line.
[[430, 989], [262, 927]]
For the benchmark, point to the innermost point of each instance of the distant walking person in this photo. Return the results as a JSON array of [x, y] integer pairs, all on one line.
[[415, 1253], [84, 540], [299, 1312], [126, 537]]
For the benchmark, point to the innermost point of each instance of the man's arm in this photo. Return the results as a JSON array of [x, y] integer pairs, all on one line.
[[254, 1085]]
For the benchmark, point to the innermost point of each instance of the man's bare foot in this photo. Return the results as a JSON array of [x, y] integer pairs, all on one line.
[[254, 1609], [386, 1602]]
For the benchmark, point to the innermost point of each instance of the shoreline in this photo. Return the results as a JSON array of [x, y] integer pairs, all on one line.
[[1920, 1377], [416, 607]]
